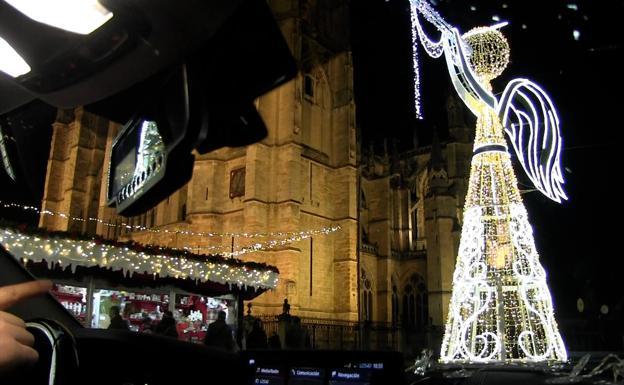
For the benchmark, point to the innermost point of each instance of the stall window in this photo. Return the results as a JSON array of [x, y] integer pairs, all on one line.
[[74, 299]]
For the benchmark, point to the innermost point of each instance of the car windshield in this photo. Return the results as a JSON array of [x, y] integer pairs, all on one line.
[[422, 177]]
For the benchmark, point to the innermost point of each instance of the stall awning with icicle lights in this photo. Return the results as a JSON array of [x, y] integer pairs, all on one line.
[[131, 258]]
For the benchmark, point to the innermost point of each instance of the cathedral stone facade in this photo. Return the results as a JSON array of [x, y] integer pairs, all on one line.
[[399, 213], [410, 219]]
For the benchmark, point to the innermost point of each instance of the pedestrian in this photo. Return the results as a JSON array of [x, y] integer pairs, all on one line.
[[257, 338], [167, 325], [146, 324], [274, 341], [116, 321], [219, 334]]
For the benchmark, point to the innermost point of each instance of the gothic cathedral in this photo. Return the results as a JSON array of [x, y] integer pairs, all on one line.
[[399, 213]]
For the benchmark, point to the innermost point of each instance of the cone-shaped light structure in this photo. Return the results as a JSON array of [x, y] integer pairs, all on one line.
[[501, 309]]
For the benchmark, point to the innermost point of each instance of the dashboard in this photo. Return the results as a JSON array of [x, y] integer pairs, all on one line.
[[323, 367]]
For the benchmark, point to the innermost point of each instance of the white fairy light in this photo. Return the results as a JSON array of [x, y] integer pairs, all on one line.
[[416, 65], [500, 308], [527, 115], [576, 34], [70, 253], [520, 96], [433, 48]]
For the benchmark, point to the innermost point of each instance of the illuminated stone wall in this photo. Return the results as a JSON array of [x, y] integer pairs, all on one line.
[[411, 221], [303, 176], [74, 172]]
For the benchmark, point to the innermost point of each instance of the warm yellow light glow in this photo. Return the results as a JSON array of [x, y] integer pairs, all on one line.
[[67, 252], [490, 51]]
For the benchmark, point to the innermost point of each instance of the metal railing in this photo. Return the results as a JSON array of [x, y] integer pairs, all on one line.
[[349, 335]]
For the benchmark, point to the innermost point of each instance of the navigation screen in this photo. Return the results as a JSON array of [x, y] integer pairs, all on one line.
[[325, 367]]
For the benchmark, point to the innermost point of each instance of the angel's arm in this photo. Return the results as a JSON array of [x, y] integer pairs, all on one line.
[[468, 87]]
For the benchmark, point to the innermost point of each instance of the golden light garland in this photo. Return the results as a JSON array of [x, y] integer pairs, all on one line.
[[267, 245], [490, 52], [85, 253], [277, 234]]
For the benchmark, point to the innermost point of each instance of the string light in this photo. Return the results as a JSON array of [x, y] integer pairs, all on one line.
[[276, 234], [88, 253], [417, 107], [532, 123], [489, 52], [501, 308], [434, 49], [527, 113], [267, 245]]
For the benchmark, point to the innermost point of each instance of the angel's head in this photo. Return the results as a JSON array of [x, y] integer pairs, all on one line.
[[489, 51]]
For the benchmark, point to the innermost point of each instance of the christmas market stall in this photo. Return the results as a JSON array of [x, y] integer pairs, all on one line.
[[93, 276]]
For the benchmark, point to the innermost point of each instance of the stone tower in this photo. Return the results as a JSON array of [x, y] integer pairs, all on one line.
[[74, 174], [440, 218]]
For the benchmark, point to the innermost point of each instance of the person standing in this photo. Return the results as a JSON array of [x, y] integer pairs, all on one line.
[[257, 338], [116, 321], [219, 334], [167, 325]]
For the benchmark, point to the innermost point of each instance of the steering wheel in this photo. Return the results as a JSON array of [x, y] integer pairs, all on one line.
[[58, 357]]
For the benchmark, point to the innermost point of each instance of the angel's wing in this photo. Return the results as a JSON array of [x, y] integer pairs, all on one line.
[[5, 156], [531, 121]]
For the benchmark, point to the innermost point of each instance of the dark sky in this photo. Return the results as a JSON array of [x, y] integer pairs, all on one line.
[[577, 240]]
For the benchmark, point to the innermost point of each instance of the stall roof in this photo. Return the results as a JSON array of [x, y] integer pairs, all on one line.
[[132, 265]]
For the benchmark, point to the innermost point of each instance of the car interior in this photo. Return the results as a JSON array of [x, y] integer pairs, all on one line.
[[180, 78]]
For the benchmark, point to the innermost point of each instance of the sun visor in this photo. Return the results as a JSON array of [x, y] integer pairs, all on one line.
[[142, 38]]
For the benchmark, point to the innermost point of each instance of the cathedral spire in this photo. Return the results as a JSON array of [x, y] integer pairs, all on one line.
[[438, 177], [395, 163], [436, 163]]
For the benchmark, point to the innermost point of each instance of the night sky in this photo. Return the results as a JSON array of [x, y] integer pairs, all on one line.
[[577, 240]]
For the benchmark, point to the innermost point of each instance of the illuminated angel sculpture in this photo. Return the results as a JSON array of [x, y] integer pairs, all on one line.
[[501, 309]]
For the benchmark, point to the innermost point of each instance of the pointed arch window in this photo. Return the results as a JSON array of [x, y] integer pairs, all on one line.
[[415, 313], [367, 298], [395, 305], [308, 86], [413, 216]]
